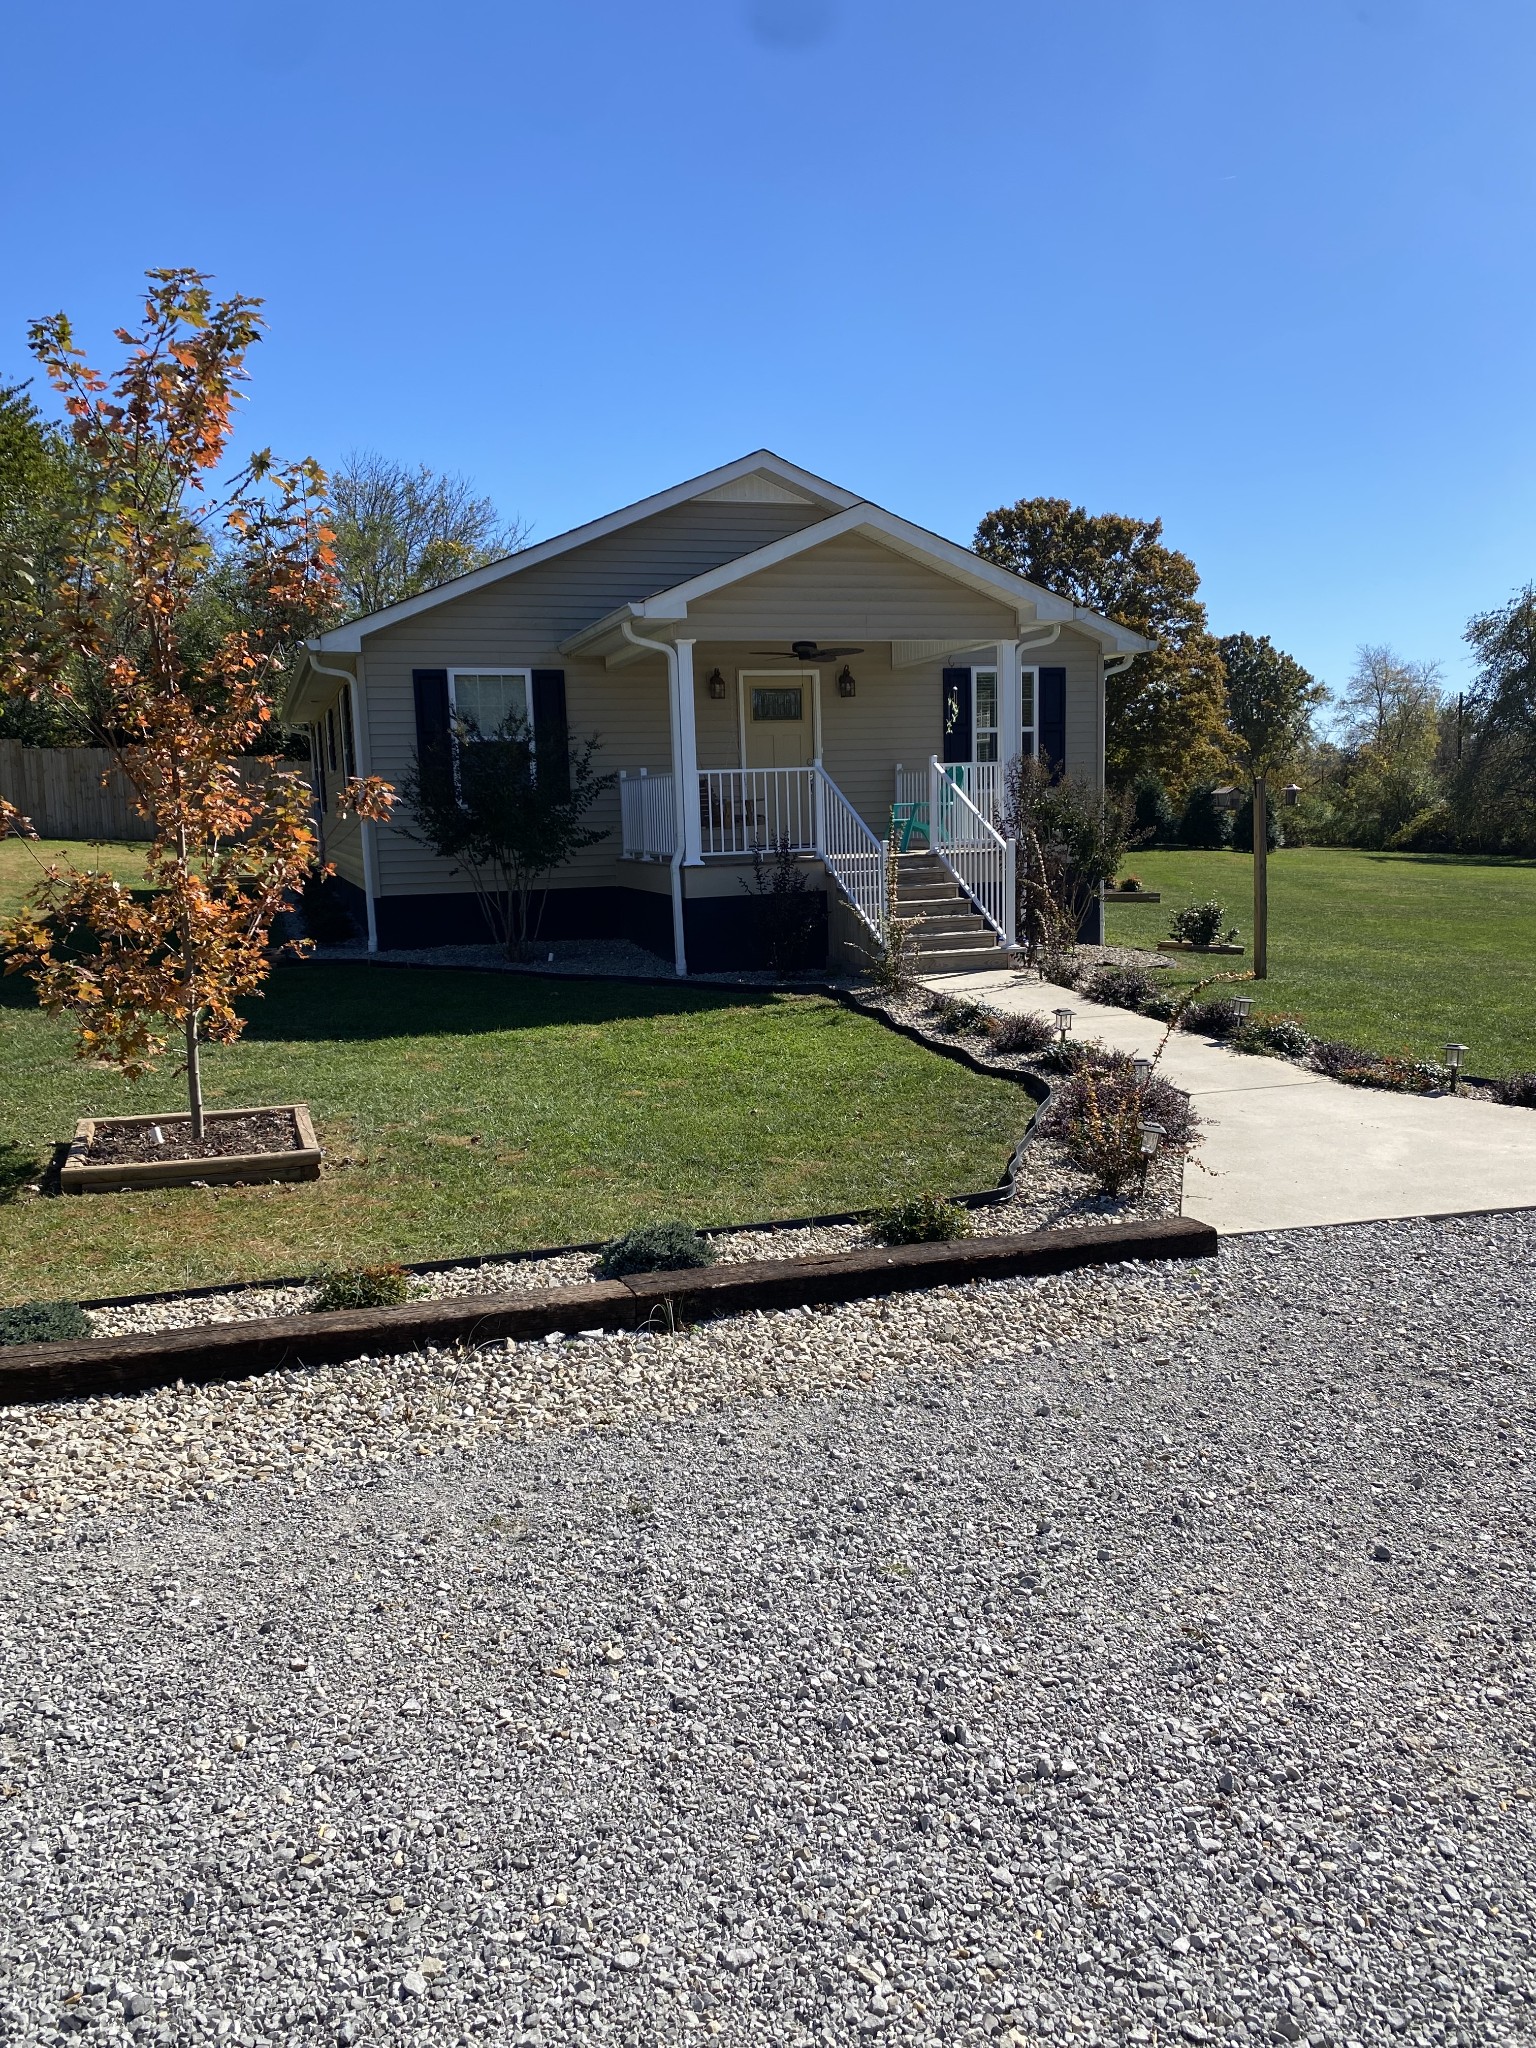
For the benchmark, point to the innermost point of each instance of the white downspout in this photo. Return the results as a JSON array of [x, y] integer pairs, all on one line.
[[680, 796], [365, 766]]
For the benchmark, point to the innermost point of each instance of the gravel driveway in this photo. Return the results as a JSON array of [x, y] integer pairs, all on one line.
[[1143, 1656]]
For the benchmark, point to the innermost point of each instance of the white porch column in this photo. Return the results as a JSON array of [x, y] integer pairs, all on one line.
[[1010, 713], [685, 753]]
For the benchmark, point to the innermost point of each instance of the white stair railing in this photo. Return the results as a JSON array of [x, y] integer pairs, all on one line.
[[648, 814], [852, 855], [972, 848]]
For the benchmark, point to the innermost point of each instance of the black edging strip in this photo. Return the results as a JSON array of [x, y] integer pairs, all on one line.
[[75, 1367], [1039, 1090]]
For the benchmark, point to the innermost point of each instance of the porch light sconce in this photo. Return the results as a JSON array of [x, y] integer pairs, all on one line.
[[1142, 1067], [1063, 1023], [1152, 1135], [1454, 1055], [716, 686], [846, 686]]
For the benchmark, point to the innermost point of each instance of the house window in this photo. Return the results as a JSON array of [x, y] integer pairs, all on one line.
[[984, 713], [485, 700], [788, 705]]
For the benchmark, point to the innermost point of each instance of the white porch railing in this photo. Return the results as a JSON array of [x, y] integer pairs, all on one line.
[[648, 810], [972, 848], [743, 810], [981, 780]]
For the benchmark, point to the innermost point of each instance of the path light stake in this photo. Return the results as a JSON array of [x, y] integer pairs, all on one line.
[[1152, 1135], [1063, 1023], [1244, 1006], [1141, 1066], [1454, 1054]]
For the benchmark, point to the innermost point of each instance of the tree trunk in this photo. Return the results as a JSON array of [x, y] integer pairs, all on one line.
[[1260, 878], [194, 1076]]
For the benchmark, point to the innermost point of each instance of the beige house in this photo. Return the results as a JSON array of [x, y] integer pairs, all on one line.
[[767, 659]]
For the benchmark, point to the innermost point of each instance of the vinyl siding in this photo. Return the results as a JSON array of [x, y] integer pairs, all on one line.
[[849, 590]]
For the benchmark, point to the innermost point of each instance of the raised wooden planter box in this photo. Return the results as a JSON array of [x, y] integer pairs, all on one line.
[[1133, 895], [301, 1161], [1188, 946]]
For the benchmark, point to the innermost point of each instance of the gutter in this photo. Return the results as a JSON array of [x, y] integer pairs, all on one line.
[[365, 765], [674, 705]]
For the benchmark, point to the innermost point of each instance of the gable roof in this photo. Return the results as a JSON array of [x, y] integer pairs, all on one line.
[[759, 478]]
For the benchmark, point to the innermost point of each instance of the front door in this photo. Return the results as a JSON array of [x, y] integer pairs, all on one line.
[[778, 720]]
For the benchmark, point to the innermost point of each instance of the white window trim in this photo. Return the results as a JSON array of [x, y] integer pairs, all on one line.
[[987, 668], [453, 698], [1031, 732], [782, 676]]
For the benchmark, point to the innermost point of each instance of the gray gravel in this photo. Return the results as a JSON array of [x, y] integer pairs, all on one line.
[[1145, 1657]]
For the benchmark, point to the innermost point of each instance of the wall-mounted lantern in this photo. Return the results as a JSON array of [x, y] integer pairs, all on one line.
[[716, 686], [846, 686]]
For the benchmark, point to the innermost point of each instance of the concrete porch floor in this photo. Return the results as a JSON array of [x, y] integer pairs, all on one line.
[[1285, 1148]]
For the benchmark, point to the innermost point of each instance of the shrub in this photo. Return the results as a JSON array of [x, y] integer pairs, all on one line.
[[1064, 970], [959, 1015], [1202, 924], [1200, 823], [43, 1322], [1153, 818], [655, 1248], [1516, 1091], [1072, 1055], [1432, 830], [1129, 882], [1031, 1032], [1098, 1115], [1285, 1038], [323, 910], [1162, 1005], [383, 1286], [1242, 824], [1216, 1017], [788, 909], [1394, 1071], [1127, 988], [922, 1219]]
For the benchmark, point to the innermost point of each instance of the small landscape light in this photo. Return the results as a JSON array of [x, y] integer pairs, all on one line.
[[1244, 1008], [716, 685], [1152, 1135], [1454, 1054], [1142, 1068], [1063, 1023], [846, 686]]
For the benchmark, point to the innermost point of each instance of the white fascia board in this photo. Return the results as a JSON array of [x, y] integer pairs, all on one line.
[[348, 639], [308, 691]]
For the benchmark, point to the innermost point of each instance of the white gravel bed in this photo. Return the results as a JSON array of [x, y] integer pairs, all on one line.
[[1139, 1657]]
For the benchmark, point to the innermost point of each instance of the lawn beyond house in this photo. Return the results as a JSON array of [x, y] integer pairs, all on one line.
[[1394, 951], [467, 1113], [23, 861]]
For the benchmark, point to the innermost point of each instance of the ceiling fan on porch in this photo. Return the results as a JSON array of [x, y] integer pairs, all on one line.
[[808, 653]]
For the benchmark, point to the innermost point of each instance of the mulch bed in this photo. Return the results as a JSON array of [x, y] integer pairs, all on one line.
[[258, 1130]]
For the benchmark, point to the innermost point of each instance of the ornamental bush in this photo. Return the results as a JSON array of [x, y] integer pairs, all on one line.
[[1285, 1038], [655, 1248], [1216, 1017], [384, 1286], [1516, 1091], [1127, 988], [922, 1219], [43, 1322], [1028, 1033], [1202, 924]]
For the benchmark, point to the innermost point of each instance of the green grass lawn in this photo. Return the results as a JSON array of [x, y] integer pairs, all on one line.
[[1393, 951], [470, 1113], [22, 862]]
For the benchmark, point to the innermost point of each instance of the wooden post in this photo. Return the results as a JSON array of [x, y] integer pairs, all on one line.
[[1260, 878]]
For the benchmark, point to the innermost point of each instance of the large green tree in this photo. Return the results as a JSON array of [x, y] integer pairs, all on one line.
[[1163, 713], [39, 505], [400, 531], [1494, 786]]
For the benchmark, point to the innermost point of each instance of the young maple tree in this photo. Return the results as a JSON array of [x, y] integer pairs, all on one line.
[[123, 639]]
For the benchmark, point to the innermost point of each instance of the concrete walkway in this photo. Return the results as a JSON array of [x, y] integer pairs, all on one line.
[[1284, 1147]]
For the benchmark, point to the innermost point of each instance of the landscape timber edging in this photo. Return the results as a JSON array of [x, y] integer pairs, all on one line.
[[75, 1368], [296, 1162]]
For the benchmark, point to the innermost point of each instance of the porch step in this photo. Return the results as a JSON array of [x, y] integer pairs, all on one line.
[[974, 960], [951, 924]]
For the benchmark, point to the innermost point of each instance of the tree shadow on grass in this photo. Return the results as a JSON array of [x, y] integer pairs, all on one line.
[[1455, 860], [330, 1002]]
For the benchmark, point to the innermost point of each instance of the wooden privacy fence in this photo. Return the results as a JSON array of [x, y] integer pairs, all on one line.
[[61, 790]]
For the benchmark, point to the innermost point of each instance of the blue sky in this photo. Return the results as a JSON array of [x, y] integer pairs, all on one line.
[[1262, 267]]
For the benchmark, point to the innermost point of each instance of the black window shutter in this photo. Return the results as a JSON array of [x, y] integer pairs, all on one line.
[[434, 756], [957, 715], [551, 735], [1053, 720]]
